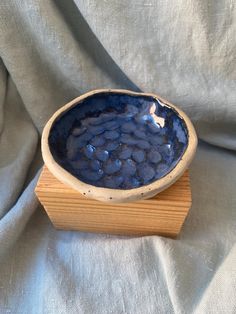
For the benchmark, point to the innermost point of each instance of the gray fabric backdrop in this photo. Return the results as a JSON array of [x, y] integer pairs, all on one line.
[[52, 51]]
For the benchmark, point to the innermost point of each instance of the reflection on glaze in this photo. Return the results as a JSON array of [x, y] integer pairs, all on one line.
[[119, 141]]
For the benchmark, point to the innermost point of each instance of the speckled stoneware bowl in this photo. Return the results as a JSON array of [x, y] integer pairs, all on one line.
[[118, 145]]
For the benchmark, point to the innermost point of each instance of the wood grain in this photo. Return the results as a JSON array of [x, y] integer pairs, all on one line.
[[163, 214]]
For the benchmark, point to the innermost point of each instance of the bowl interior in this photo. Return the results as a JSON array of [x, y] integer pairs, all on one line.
[[120, 141]]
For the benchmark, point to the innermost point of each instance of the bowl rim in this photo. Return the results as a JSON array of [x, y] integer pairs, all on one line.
[[118, 195]]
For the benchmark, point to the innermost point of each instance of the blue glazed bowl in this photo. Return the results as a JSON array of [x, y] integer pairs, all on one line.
[[118, 145]]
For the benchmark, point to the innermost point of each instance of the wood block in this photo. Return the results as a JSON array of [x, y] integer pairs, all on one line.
[[163, 214]]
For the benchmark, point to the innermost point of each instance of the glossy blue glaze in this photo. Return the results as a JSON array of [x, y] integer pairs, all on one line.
[[118, 141]]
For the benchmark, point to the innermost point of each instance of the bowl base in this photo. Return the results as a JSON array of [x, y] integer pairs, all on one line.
[[163, 215]]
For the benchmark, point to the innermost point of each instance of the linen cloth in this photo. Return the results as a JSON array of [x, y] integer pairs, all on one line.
[[52, 51]]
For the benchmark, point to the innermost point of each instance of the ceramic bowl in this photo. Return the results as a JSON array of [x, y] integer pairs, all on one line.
[[118, 145]]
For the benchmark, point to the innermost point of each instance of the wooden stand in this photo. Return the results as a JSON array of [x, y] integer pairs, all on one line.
[[163, 214]]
